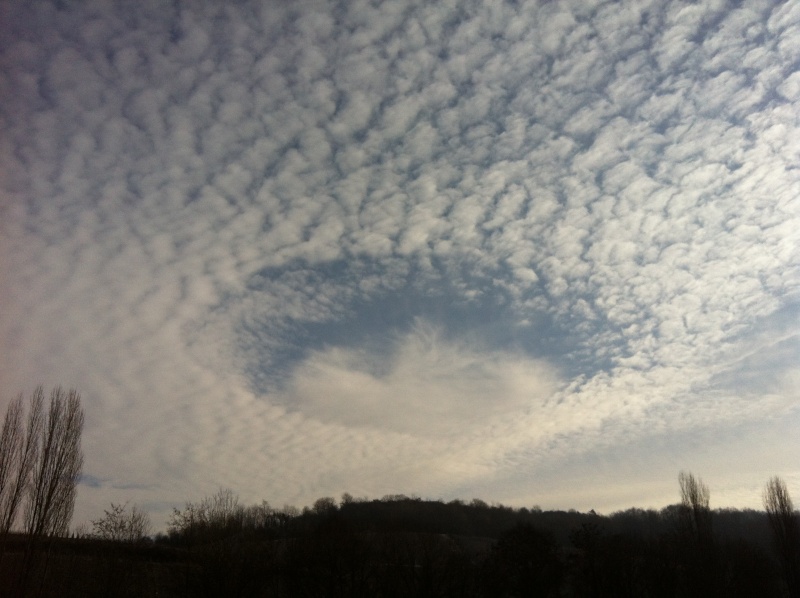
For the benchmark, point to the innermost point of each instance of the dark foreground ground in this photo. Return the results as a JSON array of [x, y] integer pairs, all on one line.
[[404, 547]]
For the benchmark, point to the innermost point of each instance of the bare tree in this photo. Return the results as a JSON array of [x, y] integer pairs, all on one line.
[[121, 524], [213, 515], [325, 506], [694, 493], [695, 501], [57, 466], [223, 507], [10, 444], [702, 570], [18, 451], [39, 468], [786, 529]]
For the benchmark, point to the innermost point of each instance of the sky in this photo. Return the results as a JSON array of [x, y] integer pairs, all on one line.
[[538, 253]]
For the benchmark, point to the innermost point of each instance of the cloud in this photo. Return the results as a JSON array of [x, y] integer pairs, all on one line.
[[424, 385], [221, 224]]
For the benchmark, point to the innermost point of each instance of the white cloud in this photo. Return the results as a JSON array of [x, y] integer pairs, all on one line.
[[425, 385], [186, 192]]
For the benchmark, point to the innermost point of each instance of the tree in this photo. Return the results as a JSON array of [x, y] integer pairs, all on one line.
[[39, 468], [699, 549], [324, 506], [122, 525], [213, 516], [57, 466], [695, 501], [18, 452], [786, 529]]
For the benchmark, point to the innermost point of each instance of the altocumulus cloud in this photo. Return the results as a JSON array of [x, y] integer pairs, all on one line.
[[432, 386], [489, 248]]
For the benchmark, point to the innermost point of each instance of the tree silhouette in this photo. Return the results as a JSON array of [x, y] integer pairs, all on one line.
[[121, 524], [786, 530], [57, 466], [695, 501], [39, 469], [698, 537], [213, 516], [18, 452]]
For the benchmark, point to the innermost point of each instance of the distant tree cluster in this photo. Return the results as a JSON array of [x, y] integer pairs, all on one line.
[[402, 546], [120, 524], [216, 516]]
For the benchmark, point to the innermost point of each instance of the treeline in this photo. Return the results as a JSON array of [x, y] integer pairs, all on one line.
[[402, 546], [397, 546]]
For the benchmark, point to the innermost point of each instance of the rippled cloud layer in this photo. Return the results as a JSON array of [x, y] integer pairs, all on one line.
[[532, 252]]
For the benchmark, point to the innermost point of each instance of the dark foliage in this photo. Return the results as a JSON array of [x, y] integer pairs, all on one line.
[[525, 561], [401, 546]]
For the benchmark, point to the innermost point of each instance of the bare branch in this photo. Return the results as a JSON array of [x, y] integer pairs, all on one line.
[[122, 525], [695, 502], [694, 493], [19, 451], [57, 467]]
